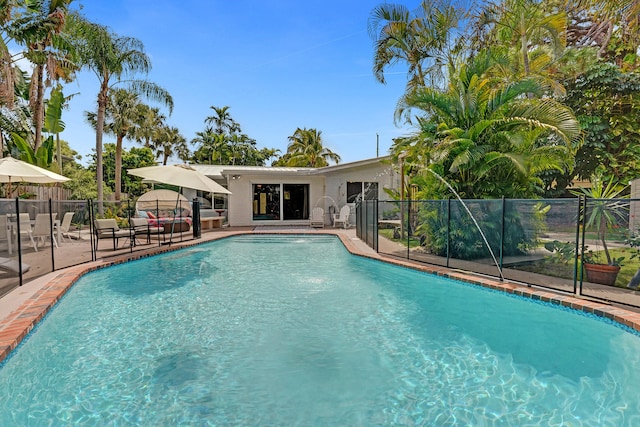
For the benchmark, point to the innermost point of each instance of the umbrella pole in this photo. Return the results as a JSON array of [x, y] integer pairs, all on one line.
[[173, 221]]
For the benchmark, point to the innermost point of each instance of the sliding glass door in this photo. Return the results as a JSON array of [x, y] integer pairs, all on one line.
[[276, 201]]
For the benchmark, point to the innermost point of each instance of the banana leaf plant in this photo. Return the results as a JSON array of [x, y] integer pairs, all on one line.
[[42, 157]]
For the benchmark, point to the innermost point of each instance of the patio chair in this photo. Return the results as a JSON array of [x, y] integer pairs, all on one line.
[[5, 233], [65, 226], [42, 229], [25, 228], [342, 217], [142, 226], [317, 218], [108, 229]]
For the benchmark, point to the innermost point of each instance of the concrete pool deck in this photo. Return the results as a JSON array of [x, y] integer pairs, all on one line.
[[23, 307]]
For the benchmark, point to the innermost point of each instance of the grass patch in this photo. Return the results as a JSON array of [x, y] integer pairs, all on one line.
[[629, 266], [387, 233], [565, 271]]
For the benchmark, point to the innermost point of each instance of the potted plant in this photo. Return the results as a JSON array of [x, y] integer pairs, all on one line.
[[603, 212], [600, 272]]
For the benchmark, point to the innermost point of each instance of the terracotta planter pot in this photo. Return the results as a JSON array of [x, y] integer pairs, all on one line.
[[602, 273]]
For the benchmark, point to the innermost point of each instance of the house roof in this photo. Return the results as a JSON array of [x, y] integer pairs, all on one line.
[[219, 171], [350, 165]]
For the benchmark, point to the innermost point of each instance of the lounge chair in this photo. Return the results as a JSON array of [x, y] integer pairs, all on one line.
[[342, 218], [108, 229], [142, 226], [317, 218]]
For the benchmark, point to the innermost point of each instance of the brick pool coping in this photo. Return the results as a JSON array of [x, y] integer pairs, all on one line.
[[17, 325]]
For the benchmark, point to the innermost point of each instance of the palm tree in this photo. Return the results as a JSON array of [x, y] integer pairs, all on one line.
[[169, 141], [212, 146], [527, 26], [421, 40], [222, 120], [7, 92], [486, 136], [113, 58], [121, 114], [150, 120], [306, 149], [39, 29]]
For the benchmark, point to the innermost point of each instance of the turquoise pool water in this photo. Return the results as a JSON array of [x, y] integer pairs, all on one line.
[[292, 330]]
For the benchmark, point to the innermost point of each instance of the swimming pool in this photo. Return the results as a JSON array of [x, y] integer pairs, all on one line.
[[266, 330]]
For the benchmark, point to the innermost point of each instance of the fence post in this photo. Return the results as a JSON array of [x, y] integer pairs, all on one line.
[[582, 221], [448, 230], [408, 226], [502, 233], [53, 258], [376, 227], [93, 243], [132, 232], [19, 239]]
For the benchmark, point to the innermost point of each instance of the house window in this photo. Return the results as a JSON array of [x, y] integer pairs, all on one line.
[[266, 201], [218, 201], [356, 189]]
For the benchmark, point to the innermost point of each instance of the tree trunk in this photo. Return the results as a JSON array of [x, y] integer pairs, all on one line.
[[118, 174], [605, 41], [59, 153], [102, 107], [601, 235], [635, 280], [38, 106], [525, 55]]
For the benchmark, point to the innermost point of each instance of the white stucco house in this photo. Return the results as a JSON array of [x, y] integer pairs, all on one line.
[[286, 195]]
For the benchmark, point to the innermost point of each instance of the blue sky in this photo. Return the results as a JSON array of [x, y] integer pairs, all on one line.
[[279, 65]]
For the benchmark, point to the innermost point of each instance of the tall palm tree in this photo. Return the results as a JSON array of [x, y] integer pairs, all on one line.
[[211, 145], [486, 136], [526, 26], [121, 114], [7, 92], [169, 141], [39, 28], [150, 120], [222, 120], [421, 40], [306, 149], [113, 59]]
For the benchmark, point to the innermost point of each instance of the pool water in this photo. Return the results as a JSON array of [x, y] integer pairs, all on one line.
[[293, 330]]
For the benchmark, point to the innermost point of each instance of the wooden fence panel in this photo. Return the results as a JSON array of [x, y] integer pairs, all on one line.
[[45, 192]]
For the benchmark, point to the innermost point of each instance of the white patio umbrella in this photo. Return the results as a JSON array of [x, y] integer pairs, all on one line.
[[180, 176], [14, 170]]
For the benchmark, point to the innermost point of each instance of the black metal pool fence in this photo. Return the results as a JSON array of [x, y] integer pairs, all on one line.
[[559, 244], [38, 237], [551, 243]]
